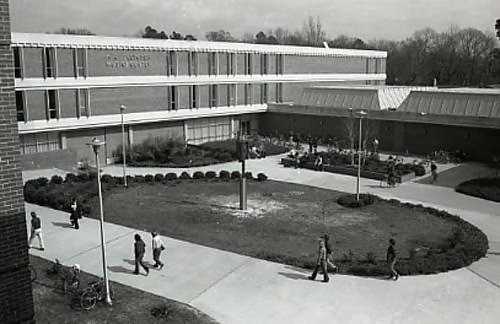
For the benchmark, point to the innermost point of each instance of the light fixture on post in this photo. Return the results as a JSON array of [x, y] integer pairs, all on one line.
[[361, 115], [124, 155], [96, 145]]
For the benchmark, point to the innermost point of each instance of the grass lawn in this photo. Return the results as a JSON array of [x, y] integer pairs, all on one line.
[[130, 305], [283, 222], [485, 188]]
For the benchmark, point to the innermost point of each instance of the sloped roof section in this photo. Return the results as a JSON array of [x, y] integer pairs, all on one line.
[[357, 97], [104, 42], [454, 102]]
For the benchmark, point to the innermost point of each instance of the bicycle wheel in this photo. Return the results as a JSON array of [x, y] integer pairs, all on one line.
[[88, 298], [33, 273]]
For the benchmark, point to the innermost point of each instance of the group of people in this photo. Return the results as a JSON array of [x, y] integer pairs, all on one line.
[[157, 247], [324, 260]]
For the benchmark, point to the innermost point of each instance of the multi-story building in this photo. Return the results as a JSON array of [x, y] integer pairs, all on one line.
[[69, 88]]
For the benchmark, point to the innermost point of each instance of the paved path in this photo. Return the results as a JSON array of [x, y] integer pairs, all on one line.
[[239, 289]]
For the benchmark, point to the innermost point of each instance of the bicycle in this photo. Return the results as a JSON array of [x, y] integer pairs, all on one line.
[[94, 293], [392, 183], [33, 273], [70, 277]]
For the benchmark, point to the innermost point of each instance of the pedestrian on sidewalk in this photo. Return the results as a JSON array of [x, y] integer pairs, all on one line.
[[157, 246], [392, 259], [434, 174], [139, 250], [321, 262], [329, 253], [75, 213], [36, 230]]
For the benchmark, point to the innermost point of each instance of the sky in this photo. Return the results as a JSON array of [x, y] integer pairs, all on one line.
[[366, 19]]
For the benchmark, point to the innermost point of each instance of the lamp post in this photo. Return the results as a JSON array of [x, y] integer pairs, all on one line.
[[96, 144], [242, 150], [361, 115], [124, 156]]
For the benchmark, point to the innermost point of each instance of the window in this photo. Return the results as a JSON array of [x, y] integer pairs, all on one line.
[[49, 59], [212, 63], [193, 96], [248, 94], [231, 94], [80, 56], [82, 103], [171, 63], [193, 63], [279, 92], [213, 96], [20, 106], [172, 98], [40, 142], [263, 93], [245, 127], [18, 68], [279, 64], [52, 98], [248, 63], [230, 63], [264, 62]]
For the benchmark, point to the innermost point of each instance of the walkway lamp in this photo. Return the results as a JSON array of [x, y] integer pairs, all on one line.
[[124, 155], [96, 145], [361, 114]]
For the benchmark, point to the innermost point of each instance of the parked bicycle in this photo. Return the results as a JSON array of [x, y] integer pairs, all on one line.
[[94, 293], [69, 276]]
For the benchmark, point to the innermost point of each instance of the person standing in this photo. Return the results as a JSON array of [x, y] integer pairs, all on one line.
[[75, 213], [157, 246], [321, 262], [392, 259], [139, 250], [329, 253], [434, 174], [36, 230]]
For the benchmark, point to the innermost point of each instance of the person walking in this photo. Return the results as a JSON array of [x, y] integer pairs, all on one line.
[[321, 262], [157, 246], [392, 259], [75, 213], [36, 230], [329, 253], [434, 174], [139, 250]]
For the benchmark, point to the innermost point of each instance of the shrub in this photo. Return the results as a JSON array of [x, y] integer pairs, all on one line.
[[108, 179], [261, 177], [82, 177], [224, 174], [198, 175], [171, 176], [185, 175], [41, 182], [351, 202], [371, 258], [419, 170], [92, 175], [210, 175], [248, 175], [70, 177], [139, 178], [159, 177], [235, 175], [56, 180], [149, 178]]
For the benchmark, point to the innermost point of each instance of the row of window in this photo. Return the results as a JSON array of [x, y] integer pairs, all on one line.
[[80, 66], [215, 99], [40, 142]]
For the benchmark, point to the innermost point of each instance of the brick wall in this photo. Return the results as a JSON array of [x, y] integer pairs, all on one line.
[[15, 287]]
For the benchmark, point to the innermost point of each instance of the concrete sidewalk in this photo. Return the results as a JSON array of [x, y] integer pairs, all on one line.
[[239, 289]]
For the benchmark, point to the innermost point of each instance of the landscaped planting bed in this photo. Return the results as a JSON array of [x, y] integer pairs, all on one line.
[[486, 188], [172, 152], [283, 221], [129, 305]]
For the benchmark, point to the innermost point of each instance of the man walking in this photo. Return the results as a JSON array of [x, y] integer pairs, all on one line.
[[36, 230], [321, 262], [139, 250], [157, 246]]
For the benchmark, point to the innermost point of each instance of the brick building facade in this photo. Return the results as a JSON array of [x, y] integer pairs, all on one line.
[[16, 302]]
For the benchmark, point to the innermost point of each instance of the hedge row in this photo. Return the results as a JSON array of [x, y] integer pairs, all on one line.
[[485, 188]]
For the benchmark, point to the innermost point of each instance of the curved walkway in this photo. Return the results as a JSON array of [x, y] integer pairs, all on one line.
[[239, 289]]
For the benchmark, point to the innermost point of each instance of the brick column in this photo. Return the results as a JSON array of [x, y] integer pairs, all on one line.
[[16, 301]]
